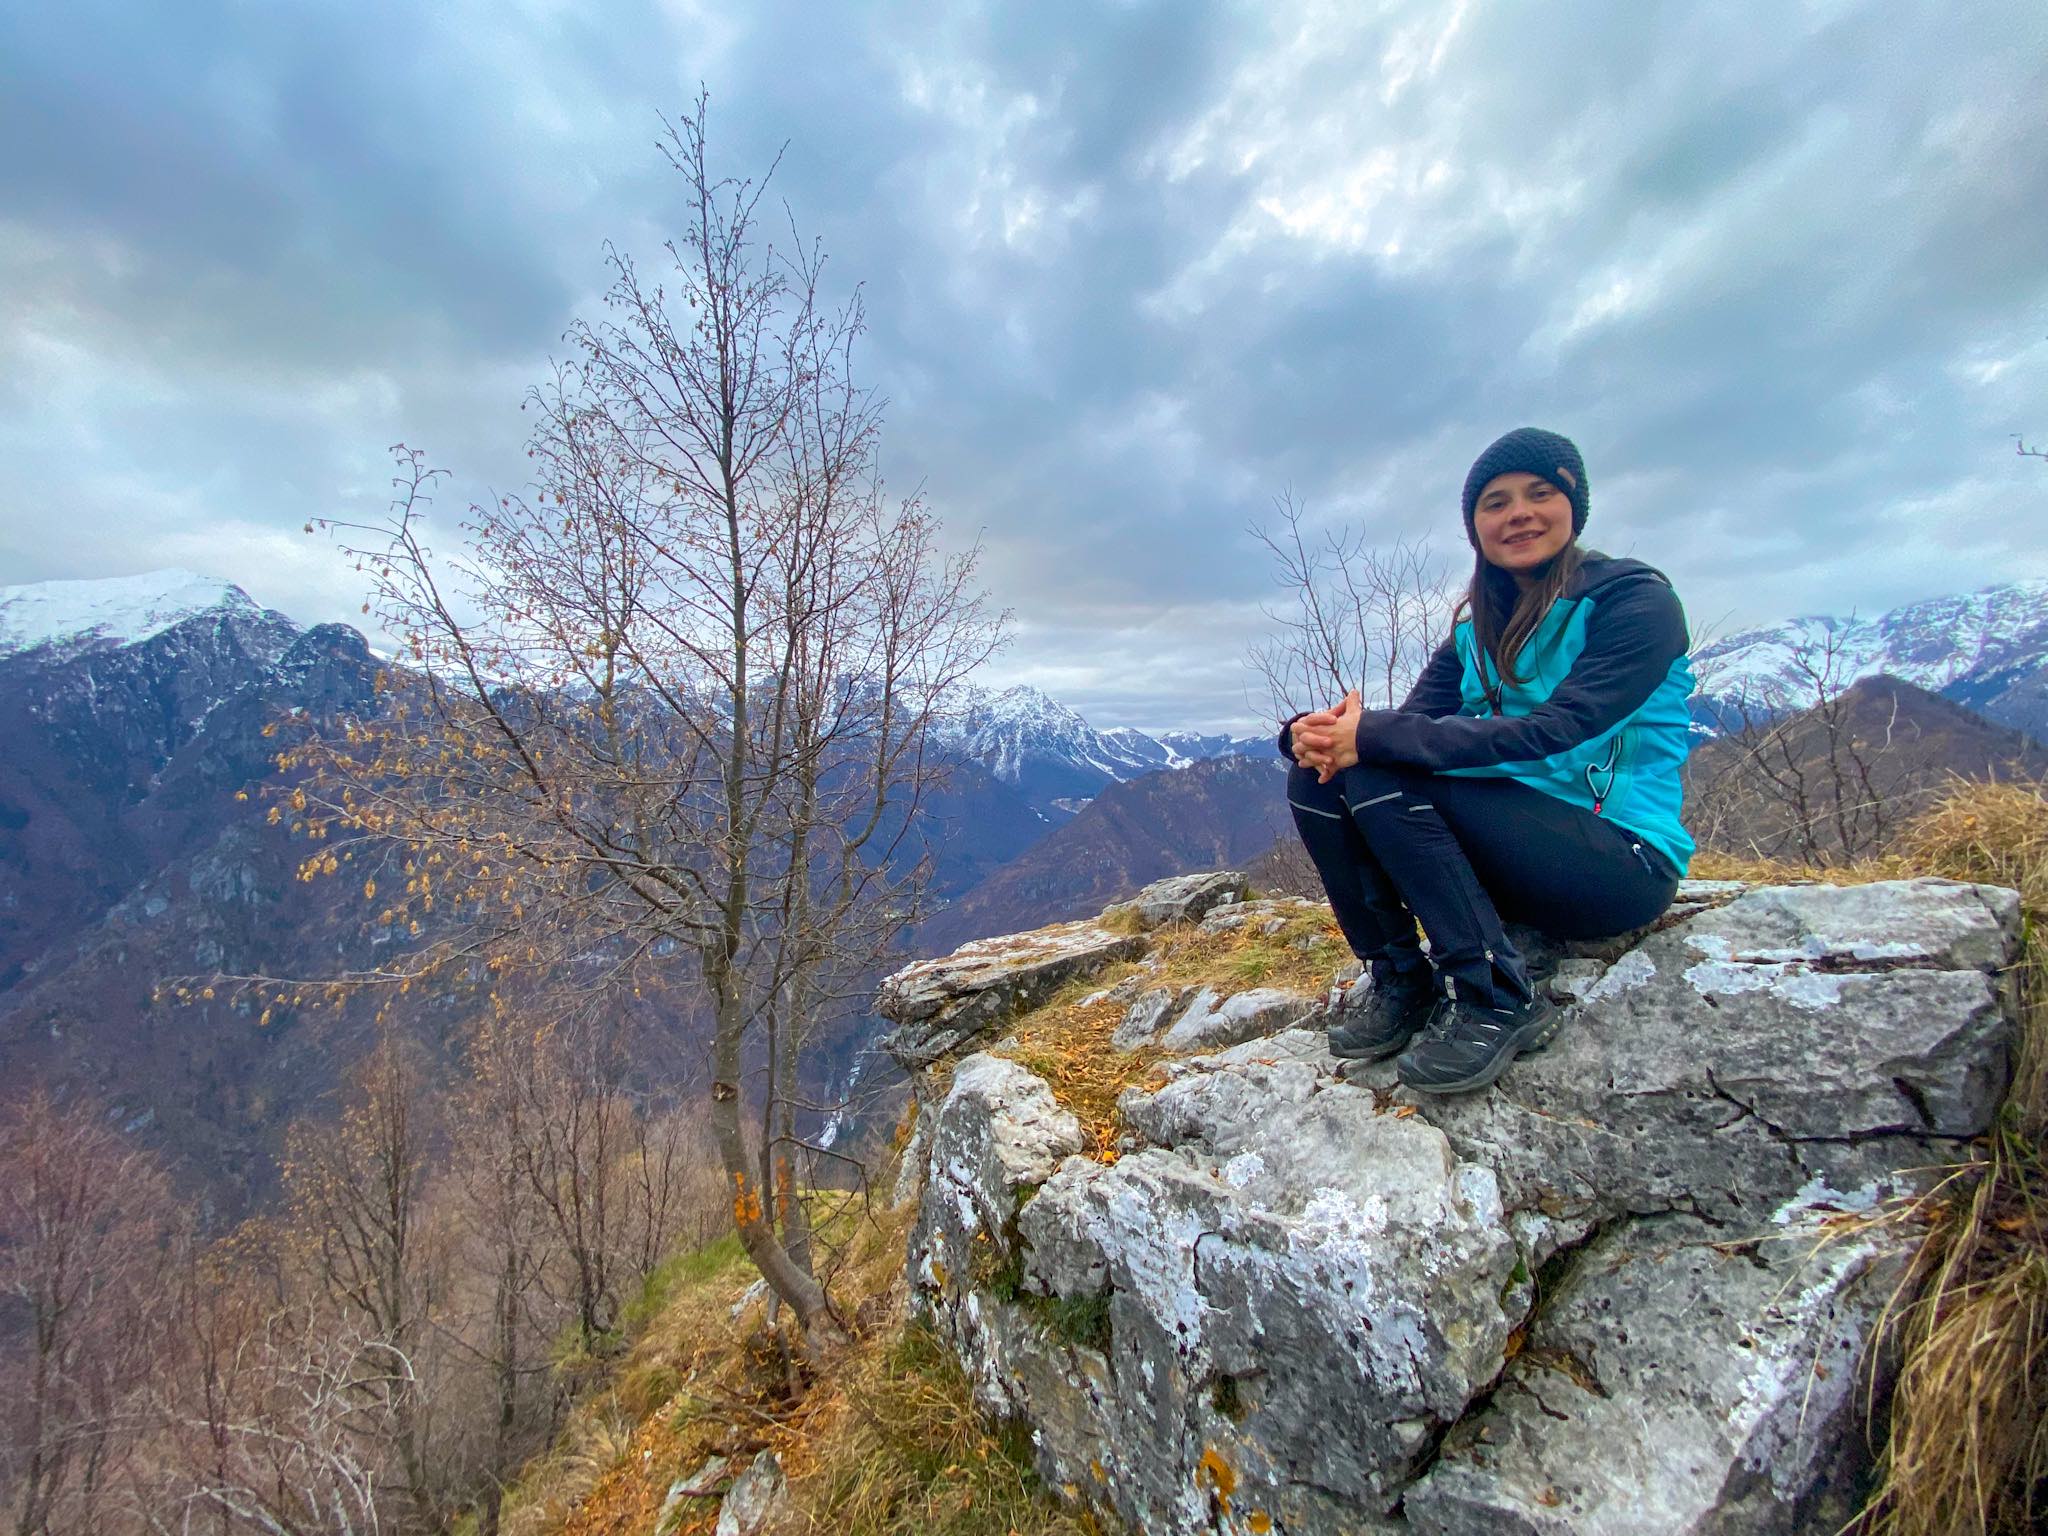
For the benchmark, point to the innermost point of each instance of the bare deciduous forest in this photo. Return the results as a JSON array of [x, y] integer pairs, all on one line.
[[663, 716]]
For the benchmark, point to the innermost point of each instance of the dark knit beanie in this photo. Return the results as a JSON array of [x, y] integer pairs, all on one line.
[[1547, 455]]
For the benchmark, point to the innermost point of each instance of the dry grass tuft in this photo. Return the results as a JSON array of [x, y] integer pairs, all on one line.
[[1068, 1045], [896, 1445], [1967, 1451], [1126, 921], [1708, 865], [887, 1440], [1301, 956], [626, 1440]]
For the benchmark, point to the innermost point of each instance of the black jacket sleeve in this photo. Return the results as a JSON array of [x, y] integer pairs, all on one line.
[[1637, 629], [1436, 692]]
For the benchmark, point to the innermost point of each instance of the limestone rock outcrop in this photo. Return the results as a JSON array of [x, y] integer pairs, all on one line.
[[938, 1005], [756, 1499], [1623, 1290], [1180, 898]]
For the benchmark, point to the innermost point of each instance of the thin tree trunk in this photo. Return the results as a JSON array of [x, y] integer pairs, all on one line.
[[750, 1217], [507, 1321]]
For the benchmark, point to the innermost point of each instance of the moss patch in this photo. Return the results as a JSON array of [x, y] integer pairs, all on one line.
[[1226, 1396], [1079, 1320]]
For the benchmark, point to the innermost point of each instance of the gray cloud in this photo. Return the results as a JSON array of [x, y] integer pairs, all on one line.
[[1131, 270]]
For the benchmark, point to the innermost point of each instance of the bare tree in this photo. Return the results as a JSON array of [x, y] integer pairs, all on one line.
[[606, 1177], [505, 1226], [223, 1304], [85, 1222], [1359, 615], [674, 705], [1363, 616], [1805, 765], [288, 1452], [354, 1191]]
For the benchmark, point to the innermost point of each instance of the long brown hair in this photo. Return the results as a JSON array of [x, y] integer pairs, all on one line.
[[1504, 616]]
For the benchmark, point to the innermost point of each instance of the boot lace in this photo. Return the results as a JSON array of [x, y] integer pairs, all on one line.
[[1441, 1027]]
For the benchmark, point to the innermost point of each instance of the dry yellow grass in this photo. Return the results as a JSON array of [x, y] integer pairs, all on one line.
[[881, 1441], [1067, 1043], [613, 1462], [1068, 1046], [1967, 1451], [895, 1445], [1244, 957], [886, 1441]]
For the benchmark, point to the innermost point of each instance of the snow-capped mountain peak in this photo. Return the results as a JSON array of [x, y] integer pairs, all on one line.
[[1004, 729], [112, 611], [1033, 742], [1960, 645]]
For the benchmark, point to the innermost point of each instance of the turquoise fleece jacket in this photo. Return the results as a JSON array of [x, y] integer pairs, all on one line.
[[1599, 720]]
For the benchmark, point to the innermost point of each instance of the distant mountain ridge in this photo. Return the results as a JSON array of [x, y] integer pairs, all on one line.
[[1021, 735], [1986, 650], [131, 713], [1057, 759], [133, 846]]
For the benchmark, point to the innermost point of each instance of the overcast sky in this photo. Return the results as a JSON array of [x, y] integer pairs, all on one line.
[[1780, 268]]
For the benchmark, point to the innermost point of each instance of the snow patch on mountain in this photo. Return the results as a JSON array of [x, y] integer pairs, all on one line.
[[113, 611], [1154, 751], [1198, 747]]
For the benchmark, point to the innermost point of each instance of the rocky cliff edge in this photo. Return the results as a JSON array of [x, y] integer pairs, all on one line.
[[1632, 1288]]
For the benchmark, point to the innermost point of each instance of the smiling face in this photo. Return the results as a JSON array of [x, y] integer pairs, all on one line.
[[1521, 521]]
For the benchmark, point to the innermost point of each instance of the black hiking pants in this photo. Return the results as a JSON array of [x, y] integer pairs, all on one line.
[[1395, 846]]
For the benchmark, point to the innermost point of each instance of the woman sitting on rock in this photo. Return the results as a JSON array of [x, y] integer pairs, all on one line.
[[1531, 774]]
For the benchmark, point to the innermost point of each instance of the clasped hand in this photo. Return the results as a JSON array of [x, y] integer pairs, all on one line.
[[1327, 739]]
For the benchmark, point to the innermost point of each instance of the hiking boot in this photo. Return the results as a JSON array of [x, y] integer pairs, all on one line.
[[1393, 1011], [1468, 1045]]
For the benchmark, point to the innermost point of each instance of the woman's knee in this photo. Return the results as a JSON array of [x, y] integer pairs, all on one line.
[[1305, 789], [1368, 786], [1315, 806]]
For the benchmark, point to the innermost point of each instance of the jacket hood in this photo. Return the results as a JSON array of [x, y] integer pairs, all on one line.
[[1597, 570]]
